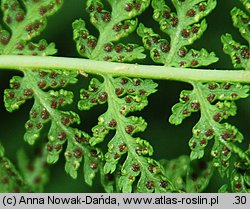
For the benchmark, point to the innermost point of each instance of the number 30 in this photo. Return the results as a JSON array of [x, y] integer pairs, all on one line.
[[240, 200]]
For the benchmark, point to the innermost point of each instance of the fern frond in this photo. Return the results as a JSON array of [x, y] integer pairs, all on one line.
[[239, 53], [216, 102], [36, 172], [112, 26], [188, 176], [26, 21], [35, 83], [10, 179], [183, 28], [240, 177], [126, 154], [123, 96], [25, 24], [46, 109]]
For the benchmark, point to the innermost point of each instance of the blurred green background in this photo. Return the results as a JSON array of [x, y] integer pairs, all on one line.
[[168, 141]]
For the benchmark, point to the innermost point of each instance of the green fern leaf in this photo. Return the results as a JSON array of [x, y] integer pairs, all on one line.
[[112, 26], [35, 173], [241, 21], [108, 181], [246, 4], [188, 176], [26, 24], [26, 21], [240, 54], [223, 189], [213, 100], [183, 28], [216, 103], [46, 109], [10, 179], [23, 88], [123, 96], [240, 177], [240, 181], [176, 170]]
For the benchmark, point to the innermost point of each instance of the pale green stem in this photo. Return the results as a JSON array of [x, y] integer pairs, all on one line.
[[23, 63]]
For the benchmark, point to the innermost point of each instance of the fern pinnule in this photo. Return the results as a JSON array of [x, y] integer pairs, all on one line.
[[25, 24], [211, 99], [26, 21], [239, 53], [186, 175], [215, 103], [126, 154], [183, 28], [112, 26], [35, 171], [11, 180]]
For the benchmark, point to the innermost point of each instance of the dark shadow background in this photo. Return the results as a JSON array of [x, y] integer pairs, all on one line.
[[168, 141]]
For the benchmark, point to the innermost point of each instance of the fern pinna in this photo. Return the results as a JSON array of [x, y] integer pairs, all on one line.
[[127, 165]]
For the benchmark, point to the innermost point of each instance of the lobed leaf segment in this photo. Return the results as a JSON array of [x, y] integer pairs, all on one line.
[[11, 180], [36, 172], [188, 176], [127, 155], [112, 26], [240, 54], [215, 101], [240, 175], [31, 175], [123, 96], [183, 28], [25, 22]]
